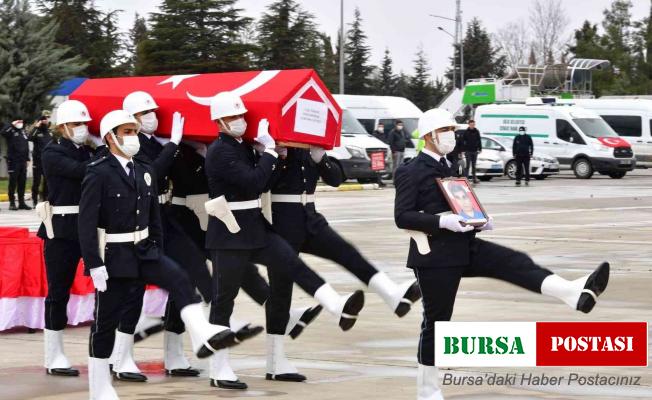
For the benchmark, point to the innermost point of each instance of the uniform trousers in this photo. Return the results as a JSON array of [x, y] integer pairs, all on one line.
[[283, 267], [110, 305], [181, 249], [253, 284], [439, 285], [37, 174], [61, 259], [17, 178], [522, 168]]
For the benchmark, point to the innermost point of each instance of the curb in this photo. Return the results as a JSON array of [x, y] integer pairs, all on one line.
[[348, 187], [4, 197]]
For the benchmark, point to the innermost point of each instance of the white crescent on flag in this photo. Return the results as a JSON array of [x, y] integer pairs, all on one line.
[[611, 141], [258, 81]]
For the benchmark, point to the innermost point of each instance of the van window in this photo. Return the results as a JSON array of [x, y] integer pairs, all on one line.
[[624, 125], [567, 133], [409, 124], [594, 127], [369, 124]]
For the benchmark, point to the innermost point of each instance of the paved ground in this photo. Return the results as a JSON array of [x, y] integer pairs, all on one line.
[[566, 224]]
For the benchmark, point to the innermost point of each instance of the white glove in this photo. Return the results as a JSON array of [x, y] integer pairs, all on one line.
[[263, 136], [452, 223], [96, 140], [317, 153], [99, 276], [282, 151], [177, 128], [162, 141], [489, 226]]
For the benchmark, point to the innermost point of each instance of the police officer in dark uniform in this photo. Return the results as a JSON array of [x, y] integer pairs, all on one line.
[[17, 158], [296, 219], [189, 193], [522, 150], [238, 234], [64, 163], [451, 250], [40, 137], [120, 237]]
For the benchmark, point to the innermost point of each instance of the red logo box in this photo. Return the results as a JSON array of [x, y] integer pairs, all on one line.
[[617, 344]]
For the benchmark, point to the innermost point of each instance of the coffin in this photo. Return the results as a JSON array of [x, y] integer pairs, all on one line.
[[299, 107]]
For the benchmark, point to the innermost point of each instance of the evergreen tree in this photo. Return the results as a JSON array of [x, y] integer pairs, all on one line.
[[195, 37], [481, 58], [287, 38], [31, 63], [420, 86], [402, 86], [356, 67], [587, 42], [384, 85], [329, 69], [137, 35], [88, 32]]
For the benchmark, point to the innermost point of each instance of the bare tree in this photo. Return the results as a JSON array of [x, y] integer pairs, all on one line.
[[548, 21], [514, 41]]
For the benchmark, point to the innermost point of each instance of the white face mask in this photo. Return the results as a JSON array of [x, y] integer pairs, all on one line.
[[148, 123], [130, 144], [19, 125], [79, 134], [237, 128], [445, 142]]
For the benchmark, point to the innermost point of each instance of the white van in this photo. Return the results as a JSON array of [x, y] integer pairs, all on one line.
[[630, 118], [360, 156], [577, 137], [372, 110]]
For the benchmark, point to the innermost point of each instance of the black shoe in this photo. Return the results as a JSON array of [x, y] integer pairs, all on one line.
[[517, 183], [476, 181], [411, 295], [129, 377], [12, 207], [152, 330], [286, 377], [308, 316], [351, 310], [187, 372], [233, 385], [527, 183], [219, 341], [248, 331], [62, 372], [595, 285], [23, 206]]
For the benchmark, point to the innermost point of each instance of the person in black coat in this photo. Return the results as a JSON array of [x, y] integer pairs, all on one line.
[[444, 249], [64, 164], [472, 146], [295, 218], [121, 240], [17, 159], [398, 140], [522, 150], [40, 137], [380, 133], [239, 234]]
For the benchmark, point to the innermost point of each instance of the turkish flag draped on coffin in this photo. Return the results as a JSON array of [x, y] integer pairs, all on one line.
[[297, 104]]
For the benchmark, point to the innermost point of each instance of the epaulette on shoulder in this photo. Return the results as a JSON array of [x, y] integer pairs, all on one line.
[[98, 161]]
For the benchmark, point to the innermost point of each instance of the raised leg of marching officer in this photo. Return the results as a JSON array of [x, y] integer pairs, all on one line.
[[189, 193], [120, 238], [421, 207], [238, 234], [64, 162], [296, 219]]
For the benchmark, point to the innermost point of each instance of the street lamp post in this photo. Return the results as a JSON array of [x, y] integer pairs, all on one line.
[[458, 40], [341, 46], [454, 53]]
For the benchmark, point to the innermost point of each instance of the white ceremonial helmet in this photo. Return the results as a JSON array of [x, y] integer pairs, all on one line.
[[226, 104], [114, 119], [71, 111], [434, 119], [139, 101]]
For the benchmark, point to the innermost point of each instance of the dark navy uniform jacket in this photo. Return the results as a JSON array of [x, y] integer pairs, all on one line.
[[17, 144], [64, 166], [161, 159], [298, 174], [235, 171], [187, 172], [418, 199], [40, 137], [118, 204]]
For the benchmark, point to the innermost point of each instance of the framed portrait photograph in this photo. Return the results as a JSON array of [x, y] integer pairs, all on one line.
[[463, 201]]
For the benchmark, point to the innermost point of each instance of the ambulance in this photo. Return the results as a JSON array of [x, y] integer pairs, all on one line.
[[581, 140]]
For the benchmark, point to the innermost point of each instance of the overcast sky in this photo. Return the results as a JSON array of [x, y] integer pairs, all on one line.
[[402, 25]]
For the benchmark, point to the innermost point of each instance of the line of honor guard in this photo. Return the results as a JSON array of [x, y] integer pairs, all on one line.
[[195, 221]]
